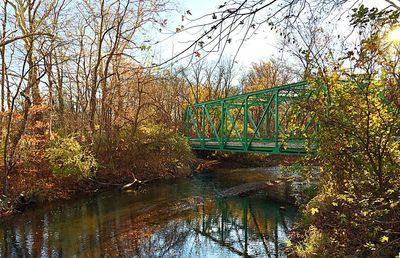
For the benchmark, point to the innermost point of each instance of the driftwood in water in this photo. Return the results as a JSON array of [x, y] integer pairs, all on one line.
[[134, 183]]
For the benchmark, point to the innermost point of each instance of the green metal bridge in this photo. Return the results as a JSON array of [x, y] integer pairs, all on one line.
[[267, 121]]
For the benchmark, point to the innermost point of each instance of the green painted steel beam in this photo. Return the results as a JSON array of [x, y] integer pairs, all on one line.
[[259, 119]]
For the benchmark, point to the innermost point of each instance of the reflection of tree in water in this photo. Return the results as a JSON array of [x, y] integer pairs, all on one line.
[[95, 231], [168, 242], [242, 226], [239, 226]]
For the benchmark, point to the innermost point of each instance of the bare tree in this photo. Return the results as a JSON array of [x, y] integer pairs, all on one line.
[[30, 19], [209, 80], [267, 74], [3, 57]]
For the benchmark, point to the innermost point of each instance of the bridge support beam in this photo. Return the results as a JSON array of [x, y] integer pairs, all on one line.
[[258, 121]]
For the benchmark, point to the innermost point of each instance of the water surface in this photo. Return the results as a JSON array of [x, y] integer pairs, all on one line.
[[185, 217]]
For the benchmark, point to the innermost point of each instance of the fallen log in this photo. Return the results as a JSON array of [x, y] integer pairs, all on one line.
[[245, 189]]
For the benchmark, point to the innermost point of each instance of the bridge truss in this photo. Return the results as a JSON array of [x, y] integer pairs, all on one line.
[[267, 121]]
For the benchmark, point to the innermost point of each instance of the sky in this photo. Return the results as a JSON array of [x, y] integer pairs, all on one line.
[[261, 46]]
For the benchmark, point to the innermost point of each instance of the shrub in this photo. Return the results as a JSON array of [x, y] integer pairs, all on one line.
[[157, 150], [313, 245], [150, 151], [172, 147], [67, 157], [153, 150]]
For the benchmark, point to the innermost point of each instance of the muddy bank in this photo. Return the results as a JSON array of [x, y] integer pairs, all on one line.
[[218, 160], [45, 188]]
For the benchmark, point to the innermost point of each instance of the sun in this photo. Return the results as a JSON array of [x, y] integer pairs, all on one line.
[[394, 35]]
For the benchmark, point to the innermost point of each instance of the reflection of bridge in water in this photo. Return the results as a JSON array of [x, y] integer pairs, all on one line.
[[245, 234], [226, 227], [260, 121]]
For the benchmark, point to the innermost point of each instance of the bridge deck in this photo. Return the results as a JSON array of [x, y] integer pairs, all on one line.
[[263, 147]]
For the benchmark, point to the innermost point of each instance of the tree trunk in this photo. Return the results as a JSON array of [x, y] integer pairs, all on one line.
[[33, 84], [10, 148], [60, 95], [3, 59]]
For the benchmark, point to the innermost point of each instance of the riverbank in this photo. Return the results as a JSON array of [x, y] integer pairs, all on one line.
[[38, 185], [244, 160], [49, 169]]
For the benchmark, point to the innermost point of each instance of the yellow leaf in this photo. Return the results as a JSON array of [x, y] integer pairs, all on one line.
[[314, 210], [384, 239]]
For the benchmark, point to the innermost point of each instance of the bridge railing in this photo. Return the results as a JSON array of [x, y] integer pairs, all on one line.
[[268, 121]]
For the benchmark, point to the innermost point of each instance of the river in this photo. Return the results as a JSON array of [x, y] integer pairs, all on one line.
[[184, 217]]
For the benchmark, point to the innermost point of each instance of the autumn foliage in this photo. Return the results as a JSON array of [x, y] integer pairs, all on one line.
[[357, 210]]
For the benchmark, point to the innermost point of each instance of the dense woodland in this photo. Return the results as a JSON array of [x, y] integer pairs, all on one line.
[[85, 103]]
